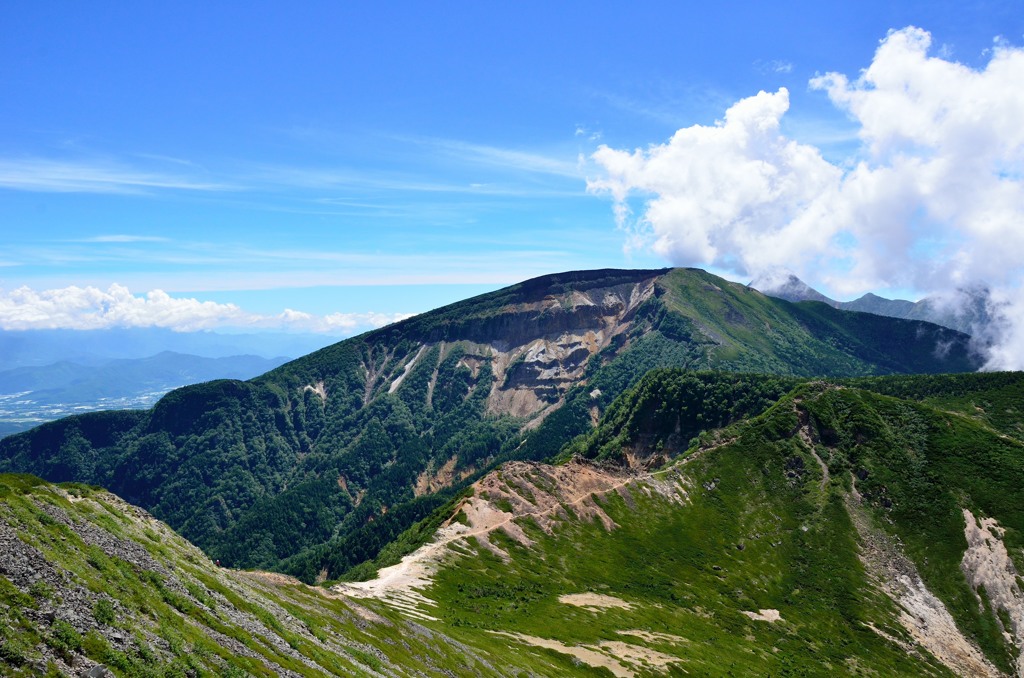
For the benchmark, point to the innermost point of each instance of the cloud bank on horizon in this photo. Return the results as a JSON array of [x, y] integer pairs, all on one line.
[[933, 201], [89, 308]]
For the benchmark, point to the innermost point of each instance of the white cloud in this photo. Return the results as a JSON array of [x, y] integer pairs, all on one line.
[[774, 66], [943, 174], [89, 308], [507, 158], [933, 201], [737, 194]]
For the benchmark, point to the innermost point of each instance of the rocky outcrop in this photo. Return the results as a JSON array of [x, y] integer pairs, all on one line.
[[537, 348], [924, 617], [988, 566], [554, 338]]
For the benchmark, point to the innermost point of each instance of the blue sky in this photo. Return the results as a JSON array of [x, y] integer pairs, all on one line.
[[385, 158]]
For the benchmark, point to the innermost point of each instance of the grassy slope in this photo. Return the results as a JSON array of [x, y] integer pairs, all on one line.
[[759, 532], [115, 586], [748, 539]]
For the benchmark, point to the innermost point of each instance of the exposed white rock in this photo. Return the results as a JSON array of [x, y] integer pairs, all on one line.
[[987, 564], [922, 614]]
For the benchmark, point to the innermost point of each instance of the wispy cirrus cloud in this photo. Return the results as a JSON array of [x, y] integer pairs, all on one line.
[[421, 165], [564, 165], [124, 238], [47, 175], [327, 178], [774, 66]]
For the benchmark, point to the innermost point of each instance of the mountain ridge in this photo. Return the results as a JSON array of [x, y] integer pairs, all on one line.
[[881, 561], [970, 314], [333, 446]]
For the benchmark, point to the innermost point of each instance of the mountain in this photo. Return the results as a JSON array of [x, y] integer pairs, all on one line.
[[969, 312], [32, 395], [791, 288], [36, 348], [317, 465], [830, 531], [867, 526], [872, 303]]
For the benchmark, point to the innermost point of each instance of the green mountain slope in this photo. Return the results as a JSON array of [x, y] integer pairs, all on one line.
[[839, 532], [340, 451], [88, 580], [827, 529]]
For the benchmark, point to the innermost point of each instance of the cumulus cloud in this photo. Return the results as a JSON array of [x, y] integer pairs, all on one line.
[[737, 194], [933, 201], [940, 194], [89, 308]]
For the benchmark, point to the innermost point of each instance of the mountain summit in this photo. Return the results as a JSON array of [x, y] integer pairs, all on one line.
[[791, 288], [967, 310]]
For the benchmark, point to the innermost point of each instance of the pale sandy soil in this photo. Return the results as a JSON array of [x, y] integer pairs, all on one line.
[[637, 654], [764, 615], [987, 563], [588, 655], [622, 659], [654, 637], [922, 614], [595, 600]]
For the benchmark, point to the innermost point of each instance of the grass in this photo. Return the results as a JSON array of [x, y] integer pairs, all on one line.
[[197, 620], [681, 570], [765, 537]]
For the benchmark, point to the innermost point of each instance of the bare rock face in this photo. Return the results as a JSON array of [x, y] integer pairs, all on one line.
[[534, 368], [922, 614], [537, 349], [988, 565]]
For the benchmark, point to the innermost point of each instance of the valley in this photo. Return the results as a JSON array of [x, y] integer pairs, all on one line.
[[33, 394]]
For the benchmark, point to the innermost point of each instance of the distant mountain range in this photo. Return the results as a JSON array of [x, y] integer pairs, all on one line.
[[30, 396], [48, 374], [970, 315], [28, 348]]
